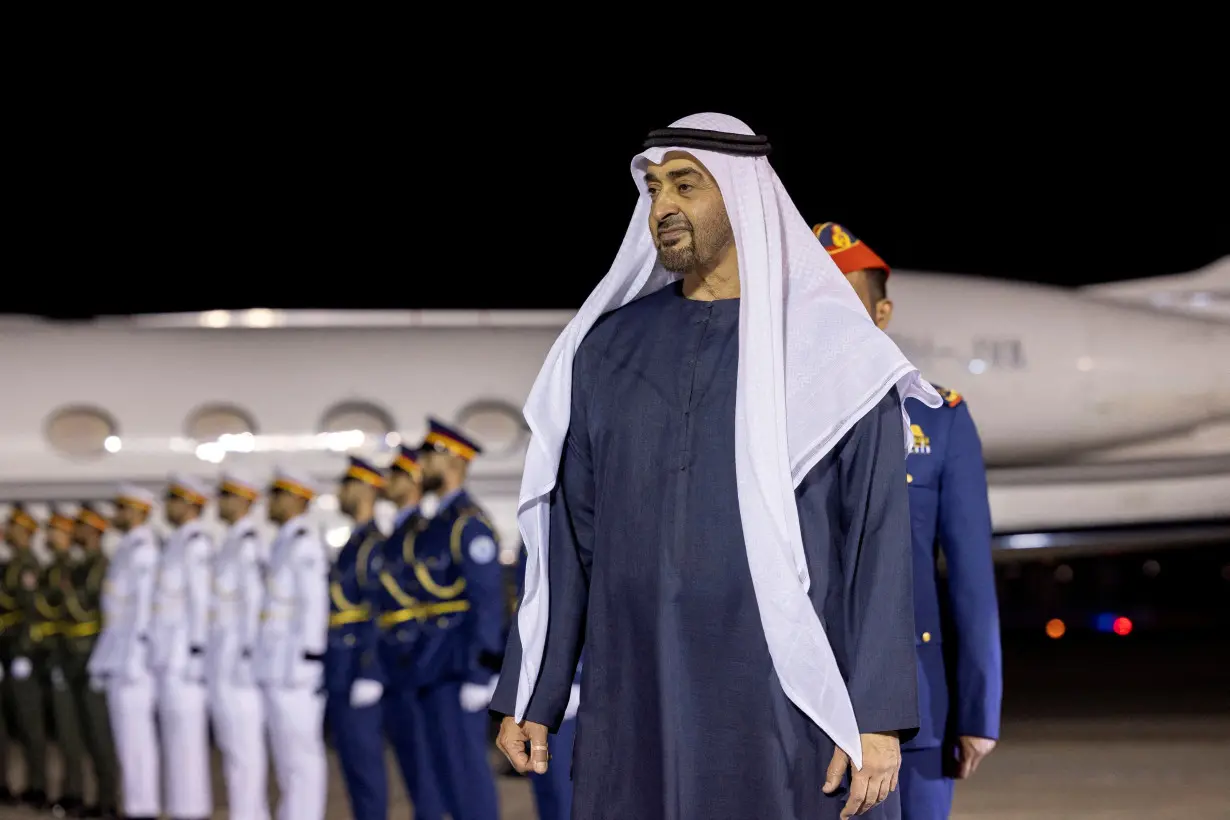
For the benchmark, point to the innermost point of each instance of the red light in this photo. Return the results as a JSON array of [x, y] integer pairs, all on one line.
[[1122, 626]]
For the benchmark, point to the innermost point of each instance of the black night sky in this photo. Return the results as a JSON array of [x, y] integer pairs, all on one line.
[[516, 194]]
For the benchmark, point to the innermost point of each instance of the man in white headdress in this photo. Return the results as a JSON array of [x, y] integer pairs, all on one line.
[[235, 700], [714, 505], [120, 658], [177, 656], [291, 651]]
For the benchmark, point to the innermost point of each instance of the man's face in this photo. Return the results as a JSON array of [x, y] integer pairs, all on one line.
[[59, 540], [282, 506], [16, 536], [403, 487], [879, 309], [432, 462], [350, 495], [232, 507], [688, 218]]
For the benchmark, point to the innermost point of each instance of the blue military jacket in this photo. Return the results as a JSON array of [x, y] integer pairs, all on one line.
[[442, 604], [351, 650], [950, 512]]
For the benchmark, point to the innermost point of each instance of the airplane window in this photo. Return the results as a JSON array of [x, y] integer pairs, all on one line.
[[211, 422], [497, 425], [82, 432], [365, 417]]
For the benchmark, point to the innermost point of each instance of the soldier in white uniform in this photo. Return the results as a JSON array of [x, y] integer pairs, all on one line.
[[119, 659], [177, 651], [235, 700], [290, 656]]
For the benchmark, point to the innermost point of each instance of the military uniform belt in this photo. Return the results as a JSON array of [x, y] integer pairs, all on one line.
[[421, 612], [79, 630], [358, 615]]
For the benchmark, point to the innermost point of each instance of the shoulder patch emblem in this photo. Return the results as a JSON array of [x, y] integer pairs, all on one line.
[[922, 442], [482, 549], [951, 397]]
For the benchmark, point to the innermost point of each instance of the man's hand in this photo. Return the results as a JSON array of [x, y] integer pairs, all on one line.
[[970, 752], [512, 740], [871, 785]]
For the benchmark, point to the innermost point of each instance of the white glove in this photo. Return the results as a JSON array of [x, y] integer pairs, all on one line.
[[364, 692], [475, 697], [98, 683], [574, 703], [21, 668]]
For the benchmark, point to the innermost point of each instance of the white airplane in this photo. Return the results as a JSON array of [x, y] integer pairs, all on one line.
[[1096, 409]]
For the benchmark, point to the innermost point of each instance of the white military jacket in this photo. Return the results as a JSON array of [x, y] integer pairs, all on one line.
[[238, 598], [127, 605], [295, 618], [181, 604]]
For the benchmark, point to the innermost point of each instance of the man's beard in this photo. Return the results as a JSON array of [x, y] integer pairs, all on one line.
[[707, 237], [432, 483]]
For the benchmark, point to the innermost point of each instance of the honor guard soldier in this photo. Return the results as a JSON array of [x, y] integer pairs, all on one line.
[[50, 602], [353, 680], [23, 690], [177, 652], [949, 511], [399, 617], [553, 790], [120, 658], [79, 633], [291, 652], [234, 698], [459, 649]]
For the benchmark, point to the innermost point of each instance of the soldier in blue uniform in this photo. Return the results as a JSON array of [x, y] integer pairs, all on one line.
[[959, 702], [353, 679], [460, 644], [553, 790], [398, 618]]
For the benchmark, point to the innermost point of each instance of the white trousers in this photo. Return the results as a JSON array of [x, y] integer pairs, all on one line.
[[184, 720], [296, 733], [131, 707], [239, 728]]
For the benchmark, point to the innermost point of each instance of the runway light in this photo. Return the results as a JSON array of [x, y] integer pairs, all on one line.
[[112, 444], [1055, 628], [1122, 626]]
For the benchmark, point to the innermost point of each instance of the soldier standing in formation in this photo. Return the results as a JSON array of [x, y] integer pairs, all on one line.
[[235, 701], [294, 634], [458, 652], [79, 632], [120, 659], [50, 604], [354, 682], [23, 691], [178, 637]]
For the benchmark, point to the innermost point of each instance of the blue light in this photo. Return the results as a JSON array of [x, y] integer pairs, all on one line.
[[1105, 622]]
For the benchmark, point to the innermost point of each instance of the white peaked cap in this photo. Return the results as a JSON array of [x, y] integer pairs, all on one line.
[[190, 488], [811, 365], [296, 482], [134, 494], [241, 484]]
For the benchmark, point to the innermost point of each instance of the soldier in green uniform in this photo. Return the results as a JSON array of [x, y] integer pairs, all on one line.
[[79, 631], [23, 692], [49, 603]]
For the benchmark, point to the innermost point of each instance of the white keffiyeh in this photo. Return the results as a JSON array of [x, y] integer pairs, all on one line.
[[811, 364]]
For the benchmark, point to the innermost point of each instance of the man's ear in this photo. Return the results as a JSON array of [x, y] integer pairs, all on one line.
[[883, 313]]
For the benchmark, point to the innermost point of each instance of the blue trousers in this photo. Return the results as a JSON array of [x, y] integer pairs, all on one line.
[[553, 790], [459, 753], [359, 738], [926, 794], [408, 732]]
